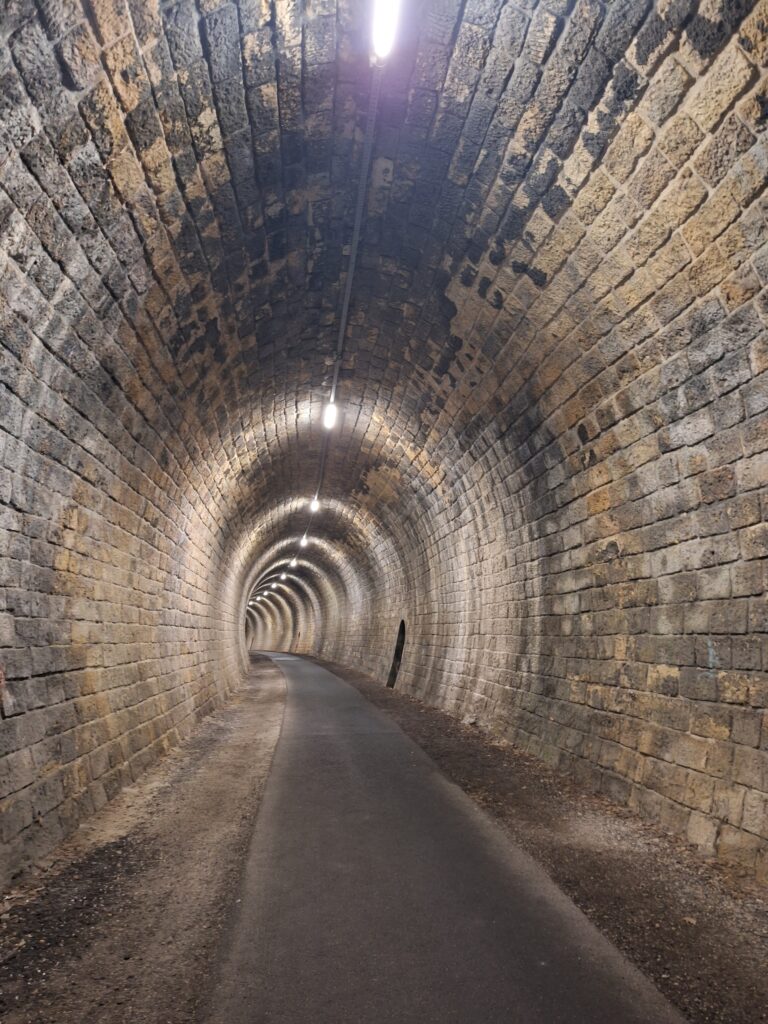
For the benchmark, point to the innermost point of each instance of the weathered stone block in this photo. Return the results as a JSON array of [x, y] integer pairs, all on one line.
[[553, 393]]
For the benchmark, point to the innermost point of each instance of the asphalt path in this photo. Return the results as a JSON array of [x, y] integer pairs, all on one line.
[[376, 892]]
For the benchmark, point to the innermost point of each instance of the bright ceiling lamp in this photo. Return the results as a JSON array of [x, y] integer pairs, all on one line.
[[314, 505], [282, 576], [303, 542], [384, 28], [329, 416], [274, 586], [293, 563]]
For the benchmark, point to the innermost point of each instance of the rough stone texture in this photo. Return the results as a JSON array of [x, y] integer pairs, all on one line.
[[552, 460]]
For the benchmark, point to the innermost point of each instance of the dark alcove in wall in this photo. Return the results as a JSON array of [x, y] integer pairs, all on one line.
[[398, 655]]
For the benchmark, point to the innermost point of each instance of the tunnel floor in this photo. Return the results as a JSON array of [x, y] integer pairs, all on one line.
[[382, 878], [376, 891]]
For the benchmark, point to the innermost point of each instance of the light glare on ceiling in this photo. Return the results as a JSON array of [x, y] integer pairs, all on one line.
[[384, 27], [329, 416]]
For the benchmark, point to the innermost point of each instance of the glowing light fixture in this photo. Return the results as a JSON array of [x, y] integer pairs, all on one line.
[[329, 416], [282, 575], [314, 505], [293, 563], [303, 542], [384, 28], [274, 586]]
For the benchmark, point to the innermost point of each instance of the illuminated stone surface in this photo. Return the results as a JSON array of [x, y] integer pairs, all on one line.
[[552, 454]]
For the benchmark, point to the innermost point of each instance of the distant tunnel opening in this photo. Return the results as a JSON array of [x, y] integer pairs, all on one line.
[[398, 656]]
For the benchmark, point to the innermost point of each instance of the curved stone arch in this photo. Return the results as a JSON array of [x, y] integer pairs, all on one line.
[[551, 432]]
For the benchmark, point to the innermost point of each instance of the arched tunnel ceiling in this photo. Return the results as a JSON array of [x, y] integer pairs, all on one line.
[[550, 459], [214, 149]]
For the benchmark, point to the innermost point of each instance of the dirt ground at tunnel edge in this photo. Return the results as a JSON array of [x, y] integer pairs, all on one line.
[[698, 930], [123, 924]]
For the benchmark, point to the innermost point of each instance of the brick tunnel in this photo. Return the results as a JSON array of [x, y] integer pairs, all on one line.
[[520, 259]]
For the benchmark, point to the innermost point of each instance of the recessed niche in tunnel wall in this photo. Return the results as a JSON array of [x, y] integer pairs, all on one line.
[[398, 656]]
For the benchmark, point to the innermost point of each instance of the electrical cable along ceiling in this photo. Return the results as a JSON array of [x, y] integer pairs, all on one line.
[[383, 31], [519, 261]]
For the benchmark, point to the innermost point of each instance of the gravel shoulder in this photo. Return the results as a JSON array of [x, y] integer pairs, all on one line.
[[123, 923], [699, 931]]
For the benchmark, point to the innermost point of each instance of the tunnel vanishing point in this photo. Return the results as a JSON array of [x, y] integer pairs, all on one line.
[[522, 261]]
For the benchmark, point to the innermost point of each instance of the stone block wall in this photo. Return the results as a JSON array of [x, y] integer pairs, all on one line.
[[587, 556], [551, 455]]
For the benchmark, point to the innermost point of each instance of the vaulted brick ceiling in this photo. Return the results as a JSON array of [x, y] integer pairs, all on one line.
[[560, 286], [207, 157]]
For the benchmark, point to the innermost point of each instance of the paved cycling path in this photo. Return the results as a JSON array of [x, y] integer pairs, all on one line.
[[376, 891]]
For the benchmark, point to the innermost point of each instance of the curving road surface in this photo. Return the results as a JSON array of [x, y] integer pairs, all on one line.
[[376, 892]]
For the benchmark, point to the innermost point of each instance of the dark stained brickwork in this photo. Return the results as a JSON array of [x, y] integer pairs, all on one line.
[[552, 459]]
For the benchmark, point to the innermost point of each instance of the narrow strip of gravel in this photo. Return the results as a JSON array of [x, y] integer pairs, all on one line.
[[698, 930], [123, 926]]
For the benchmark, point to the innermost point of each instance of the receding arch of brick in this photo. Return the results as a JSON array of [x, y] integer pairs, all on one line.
[[551, 456]]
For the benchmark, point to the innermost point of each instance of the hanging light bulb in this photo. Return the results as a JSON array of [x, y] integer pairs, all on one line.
[[329, 416], [314, 505], [384, 28], [303, 542], [282, 576]]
